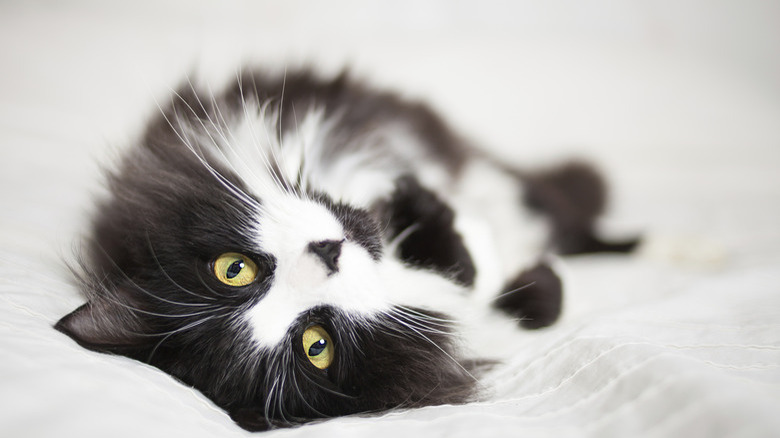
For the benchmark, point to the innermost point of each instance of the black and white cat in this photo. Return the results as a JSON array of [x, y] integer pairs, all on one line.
[[288, 247]]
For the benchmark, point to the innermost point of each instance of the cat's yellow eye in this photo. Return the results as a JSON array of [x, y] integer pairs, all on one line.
[[235, 269], [318, 347]]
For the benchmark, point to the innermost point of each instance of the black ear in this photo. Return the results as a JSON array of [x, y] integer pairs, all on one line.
[[104, 325]]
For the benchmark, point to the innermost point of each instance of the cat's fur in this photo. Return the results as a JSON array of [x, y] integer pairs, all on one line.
[[352, 204]]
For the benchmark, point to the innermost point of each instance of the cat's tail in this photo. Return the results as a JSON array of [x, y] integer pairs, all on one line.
[[572, 196]]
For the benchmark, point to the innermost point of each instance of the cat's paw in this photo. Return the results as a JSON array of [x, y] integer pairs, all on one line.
[[534, 297], [422, 226]]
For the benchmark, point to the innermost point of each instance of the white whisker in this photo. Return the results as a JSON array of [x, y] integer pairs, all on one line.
[[199, 155], [513, 291], [434, 344]]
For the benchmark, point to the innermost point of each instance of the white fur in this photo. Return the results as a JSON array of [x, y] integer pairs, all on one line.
[[253, 144]]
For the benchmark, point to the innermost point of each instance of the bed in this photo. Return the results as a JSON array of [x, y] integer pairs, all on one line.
[[678, 102]]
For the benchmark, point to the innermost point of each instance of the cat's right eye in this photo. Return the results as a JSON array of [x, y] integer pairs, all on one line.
[[235, 269]]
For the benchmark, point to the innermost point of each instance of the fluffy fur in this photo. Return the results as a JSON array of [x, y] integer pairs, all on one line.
[[348, 201]]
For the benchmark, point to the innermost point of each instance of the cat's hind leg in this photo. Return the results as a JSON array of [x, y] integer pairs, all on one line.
[[572, 196]]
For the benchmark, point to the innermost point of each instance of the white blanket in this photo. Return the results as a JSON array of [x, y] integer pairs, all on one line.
[[679, 102]]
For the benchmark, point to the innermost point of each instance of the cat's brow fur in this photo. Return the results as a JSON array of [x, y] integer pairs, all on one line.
[[373, 172]]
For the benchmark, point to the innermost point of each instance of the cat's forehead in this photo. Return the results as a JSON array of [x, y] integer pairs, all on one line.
[[289, 222], [267, 161]]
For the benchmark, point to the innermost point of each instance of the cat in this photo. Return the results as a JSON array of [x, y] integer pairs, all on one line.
[[278, 245]]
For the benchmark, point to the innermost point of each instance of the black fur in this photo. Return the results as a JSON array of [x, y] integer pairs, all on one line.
[[534, 297]]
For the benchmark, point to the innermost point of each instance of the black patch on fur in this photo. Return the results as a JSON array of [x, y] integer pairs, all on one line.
[[425, 225], [535, 296], [572, 195]]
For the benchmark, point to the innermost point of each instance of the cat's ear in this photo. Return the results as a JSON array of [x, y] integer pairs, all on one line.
[[104, 325]]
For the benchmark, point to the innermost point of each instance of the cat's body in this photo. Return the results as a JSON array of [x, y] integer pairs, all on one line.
[[288, 247]]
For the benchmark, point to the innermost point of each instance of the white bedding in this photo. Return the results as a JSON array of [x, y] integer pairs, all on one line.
[[678, 101]]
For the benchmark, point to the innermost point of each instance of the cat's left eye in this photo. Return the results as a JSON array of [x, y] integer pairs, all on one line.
[[235, 269], [318, 347]]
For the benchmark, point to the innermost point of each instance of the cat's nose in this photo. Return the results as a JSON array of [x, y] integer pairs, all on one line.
[[328, 251]]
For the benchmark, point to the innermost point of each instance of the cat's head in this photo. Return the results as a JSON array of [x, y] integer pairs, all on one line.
[[270, 298]]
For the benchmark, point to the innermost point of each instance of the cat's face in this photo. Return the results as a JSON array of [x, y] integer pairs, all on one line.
[[273, 300]]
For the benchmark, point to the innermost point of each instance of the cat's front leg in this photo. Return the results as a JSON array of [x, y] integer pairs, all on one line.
[[420, 229]]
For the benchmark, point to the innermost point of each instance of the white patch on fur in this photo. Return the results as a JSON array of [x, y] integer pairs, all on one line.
[[374, 161], [252, 149], [503, 237], [364, 168]]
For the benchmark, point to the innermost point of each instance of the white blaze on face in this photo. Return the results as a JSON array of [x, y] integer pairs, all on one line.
[[301, 281]]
